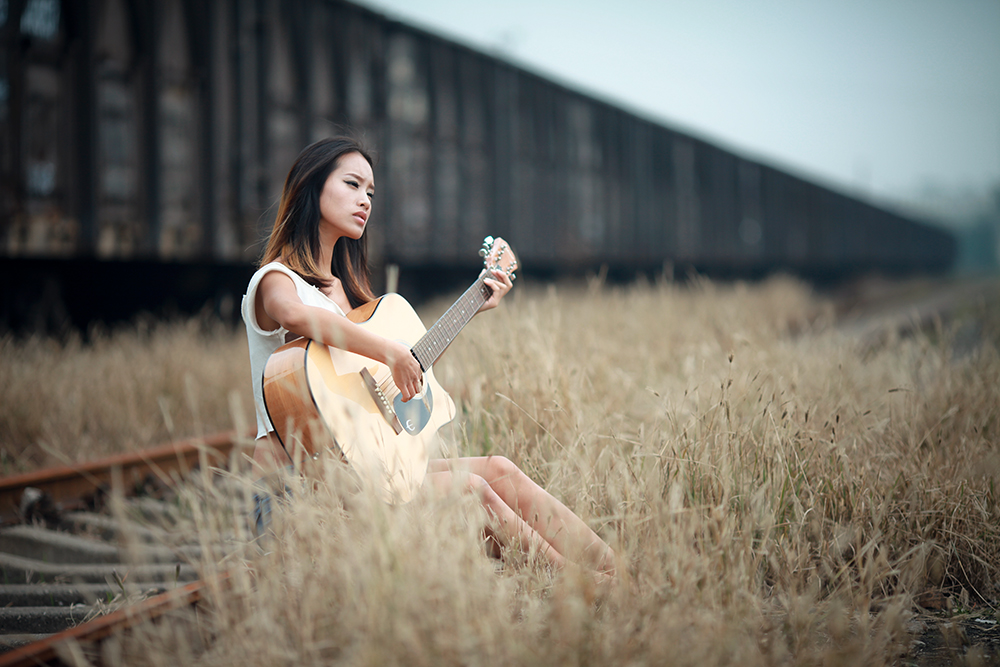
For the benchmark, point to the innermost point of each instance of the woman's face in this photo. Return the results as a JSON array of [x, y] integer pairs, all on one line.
[[346, 200]]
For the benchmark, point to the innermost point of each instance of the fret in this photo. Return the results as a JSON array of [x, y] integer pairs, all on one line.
[[437, 339]]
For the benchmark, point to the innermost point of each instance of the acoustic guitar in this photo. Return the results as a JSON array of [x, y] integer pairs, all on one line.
[[321, 398]]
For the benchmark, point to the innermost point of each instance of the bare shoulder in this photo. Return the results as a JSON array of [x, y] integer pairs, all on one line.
[[275, 287], [275, 280]]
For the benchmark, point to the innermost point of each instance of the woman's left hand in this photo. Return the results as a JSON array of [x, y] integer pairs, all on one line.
[[500, 283]]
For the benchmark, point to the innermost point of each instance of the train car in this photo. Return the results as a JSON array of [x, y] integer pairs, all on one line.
[[136, 134]]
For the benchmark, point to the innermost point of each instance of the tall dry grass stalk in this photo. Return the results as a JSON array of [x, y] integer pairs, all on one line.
[[125, 389], [777, 491]]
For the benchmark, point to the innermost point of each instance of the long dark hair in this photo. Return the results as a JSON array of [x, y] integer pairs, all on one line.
[[295, 237]]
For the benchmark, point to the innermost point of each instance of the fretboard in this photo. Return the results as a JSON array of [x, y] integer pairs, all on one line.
[[437, 339]]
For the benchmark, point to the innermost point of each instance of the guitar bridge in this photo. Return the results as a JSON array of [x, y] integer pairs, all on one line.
[[383, 404]]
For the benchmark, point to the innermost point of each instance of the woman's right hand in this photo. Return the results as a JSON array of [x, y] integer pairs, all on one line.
[[406, 373]]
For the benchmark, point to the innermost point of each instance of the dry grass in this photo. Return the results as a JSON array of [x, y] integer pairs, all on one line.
[[126, 389], [778, 492]]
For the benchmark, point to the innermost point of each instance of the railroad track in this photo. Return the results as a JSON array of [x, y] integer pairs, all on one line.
[[69, 578]]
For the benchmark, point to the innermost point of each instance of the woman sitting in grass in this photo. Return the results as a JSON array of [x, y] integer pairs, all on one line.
[[314, 271]]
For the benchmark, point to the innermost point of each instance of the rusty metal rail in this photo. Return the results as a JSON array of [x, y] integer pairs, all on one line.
[[49, 651], [69, 486], [84, 568]]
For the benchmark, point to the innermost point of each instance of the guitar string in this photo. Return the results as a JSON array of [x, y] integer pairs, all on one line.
[[432, 345], [452, 326], [431, 340]]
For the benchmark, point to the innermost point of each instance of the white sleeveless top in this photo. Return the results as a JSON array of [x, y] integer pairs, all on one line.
[[263, 343]]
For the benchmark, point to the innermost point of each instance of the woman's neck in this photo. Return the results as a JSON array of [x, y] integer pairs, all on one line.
[[327, 241]]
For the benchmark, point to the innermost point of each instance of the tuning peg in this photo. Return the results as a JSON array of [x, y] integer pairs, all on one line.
[[487, 247]]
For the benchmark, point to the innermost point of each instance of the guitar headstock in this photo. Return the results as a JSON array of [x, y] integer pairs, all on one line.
[[497, 254]]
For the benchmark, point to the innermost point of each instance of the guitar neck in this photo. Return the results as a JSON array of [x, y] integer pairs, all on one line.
[[432, 344]]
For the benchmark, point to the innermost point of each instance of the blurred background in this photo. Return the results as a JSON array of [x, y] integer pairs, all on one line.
[[143, 144]]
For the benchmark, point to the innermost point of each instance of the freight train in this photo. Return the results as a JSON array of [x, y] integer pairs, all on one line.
[[150, 139]]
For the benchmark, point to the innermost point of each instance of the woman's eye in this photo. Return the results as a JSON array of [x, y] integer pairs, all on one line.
[[371, 195], [353, 184]]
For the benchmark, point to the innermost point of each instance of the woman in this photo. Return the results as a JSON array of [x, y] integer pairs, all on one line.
[[313, 272]]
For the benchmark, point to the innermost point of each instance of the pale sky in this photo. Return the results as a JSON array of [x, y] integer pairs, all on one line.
[[873, 97]]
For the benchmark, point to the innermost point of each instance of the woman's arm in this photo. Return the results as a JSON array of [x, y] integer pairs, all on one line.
[[278, 304], [500, 283]]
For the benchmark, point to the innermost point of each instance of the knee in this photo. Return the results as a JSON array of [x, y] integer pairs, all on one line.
[[500, 467]]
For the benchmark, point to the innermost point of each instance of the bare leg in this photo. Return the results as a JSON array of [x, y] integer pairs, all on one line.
[[512, 527], [567, 533]]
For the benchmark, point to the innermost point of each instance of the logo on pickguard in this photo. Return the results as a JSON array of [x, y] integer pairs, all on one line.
[[415, 413]]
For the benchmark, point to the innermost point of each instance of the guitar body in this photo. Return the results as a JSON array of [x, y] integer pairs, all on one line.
[[326, 398]]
